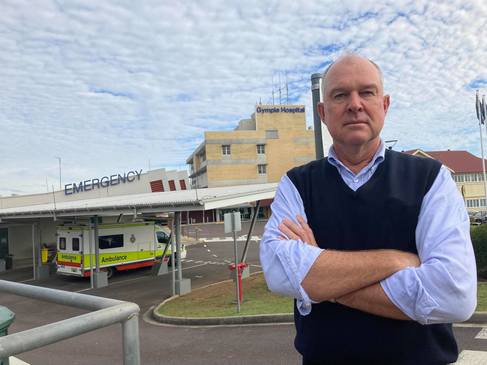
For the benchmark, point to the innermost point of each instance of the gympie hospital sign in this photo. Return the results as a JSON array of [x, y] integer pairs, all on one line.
[[281, 109], [103, 182]]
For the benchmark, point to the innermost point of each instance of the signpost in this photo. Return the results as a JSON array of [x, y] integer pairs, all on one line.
[[233, 224]]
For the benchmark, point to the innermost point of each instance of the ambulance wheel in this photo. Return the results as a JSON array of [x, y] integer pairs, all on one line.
[[110, 272]]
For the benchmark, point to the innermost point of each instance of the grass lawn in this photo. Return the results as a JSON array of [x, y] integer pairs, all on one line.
[[482, 297], [219, 300]]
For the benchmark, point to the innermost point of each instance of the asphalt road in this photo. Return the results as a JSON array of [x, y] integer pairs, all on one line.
[[206, 263]]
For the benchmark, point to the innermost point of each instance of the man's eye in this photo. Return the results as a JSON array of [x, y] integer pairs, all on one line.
[[338, 96], [368, 93]]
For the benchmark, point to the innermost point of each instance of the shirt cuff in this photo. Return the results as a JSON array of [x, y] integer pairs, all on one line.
[[297, 268], [405, 290]]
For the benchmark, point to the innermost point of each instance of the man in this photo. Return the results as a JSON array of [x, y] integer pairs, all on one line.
[[373, 244]]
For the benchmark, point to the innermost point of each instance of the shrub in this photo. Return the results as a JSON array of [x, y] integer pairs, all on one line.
[[479, 241]]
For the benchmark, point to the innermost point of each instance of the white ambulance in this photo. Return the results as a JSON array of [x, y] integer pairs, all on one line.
[[122, 246]]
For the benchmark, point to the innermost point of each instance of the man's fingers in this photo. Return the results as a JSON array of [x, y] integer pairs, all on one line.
[[295, 228], [310, 237], [286, 231]]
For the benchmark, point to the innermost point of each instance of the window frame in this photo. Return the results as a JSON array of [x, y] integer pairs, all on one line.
[[103, 238], [62, 243], [226, 150], [78, 243]]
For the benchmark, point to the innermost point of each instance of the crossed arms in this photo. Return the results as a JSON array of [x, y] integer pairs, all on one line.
[[350, 277], [438, 286]]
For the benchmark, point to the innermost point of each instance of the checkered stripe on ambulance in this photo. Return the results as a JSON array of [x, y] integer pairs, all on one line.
[[122, 246]]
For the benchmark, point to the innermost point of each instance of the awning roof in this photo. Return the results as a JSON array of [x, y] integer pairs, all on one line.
[[171, 201]]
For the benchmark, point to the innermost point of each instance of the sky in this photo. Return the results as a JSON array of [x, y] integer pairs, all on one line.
[[114, 86]]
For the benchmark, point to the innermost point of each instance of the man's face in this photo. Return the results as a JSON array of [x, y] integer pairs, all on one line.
[[354, 106]]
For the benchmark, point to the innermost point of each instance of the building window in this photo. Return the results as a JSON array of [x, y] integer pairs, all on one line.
[[262, 169], [172, 185], [261, 149], [182, 184], [459, 178], [226, 149], [475, 203], [156, 186]]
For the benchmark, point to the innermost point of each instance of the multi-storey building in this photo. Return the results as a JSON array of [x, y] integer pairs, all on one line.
[[259, 150], [466, 170]]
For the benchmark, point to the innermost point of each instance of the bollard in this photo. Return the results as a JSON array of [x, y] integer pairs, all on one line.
[[240, 267]]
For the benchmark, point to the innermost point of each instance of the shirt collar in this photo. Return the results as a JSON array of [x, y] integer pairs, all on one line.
[[376, 160]]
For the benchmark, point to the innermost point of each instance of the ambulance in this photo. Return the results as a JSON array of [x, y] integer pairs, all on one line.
[[122, 246]]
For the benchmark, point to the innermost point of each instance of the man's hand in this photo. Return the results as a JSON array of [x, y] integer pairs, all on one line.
[[295, 231]]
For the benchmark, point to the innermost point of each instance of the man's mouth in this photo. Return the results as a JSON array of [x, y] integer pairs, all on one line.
[[355, 122]]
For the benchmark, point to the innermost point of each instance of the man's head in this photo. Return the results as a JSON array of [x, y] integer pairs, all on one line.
[[354, 105]]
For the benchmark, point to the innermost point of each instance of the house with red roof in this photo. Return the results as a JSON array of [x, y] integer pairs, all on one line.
[[466, 170]]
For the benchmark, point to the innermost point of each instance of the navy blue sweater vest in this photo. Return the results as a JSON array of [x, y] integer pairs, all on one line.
[[381, 214]]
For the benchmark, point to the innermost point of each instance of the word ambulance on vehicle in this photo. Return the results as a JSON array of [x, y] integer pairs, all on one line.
[[122, 246]]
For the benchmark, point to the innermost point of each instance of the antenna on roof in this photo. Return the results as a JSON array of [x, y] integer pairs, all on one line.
[[272, 89], [287, 91], [280, 102]]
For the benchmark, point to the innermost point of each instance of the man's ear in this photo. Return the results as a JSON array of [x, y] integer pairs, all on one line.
[[321, 112], [387, 102]]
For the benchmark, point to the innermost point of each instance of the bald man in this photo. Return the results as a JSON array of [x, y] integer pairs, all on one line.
[[374, 245]]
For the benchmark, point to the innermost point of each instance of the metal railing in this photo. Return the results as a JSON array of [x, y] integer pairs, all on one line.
[[106, 312]]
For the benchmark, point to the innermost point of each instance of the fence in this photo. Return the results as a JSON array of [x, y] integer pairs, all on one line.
[[105, 313]]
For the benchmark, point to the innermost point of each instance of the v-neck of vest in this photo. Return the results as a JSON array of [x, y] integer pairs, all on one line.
[[377, 173]]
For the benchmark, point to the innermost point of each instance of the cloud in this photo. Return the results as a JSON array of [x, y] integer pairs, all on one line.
[[109, 86]]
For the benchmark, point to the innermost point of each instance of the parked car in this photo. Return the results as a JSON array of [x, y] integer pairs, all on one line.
[[477, 218]]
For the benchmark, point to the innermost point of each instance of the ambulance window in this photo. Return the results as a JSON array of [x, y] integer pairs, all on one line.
[[111, 241], [62, 243], [162, 237], [75, 244]]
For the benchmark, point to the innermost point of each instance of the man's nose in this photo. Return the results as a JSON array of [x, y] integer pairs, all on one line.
[[355, 103]]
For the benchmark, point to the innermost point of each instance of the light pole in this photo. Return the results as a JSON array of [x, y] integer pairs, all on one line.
[[59, 159], [315, 91], [480, 109]]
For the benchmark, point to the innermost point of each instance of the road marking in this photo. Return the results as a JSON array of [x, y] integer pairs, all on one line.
[[230, 239], [191, 267], [468, 357], [482, 335], [26, 281]]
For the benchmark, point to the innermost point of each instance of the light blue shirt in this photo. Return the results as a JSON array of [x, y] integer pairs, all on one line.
[[443, 289]]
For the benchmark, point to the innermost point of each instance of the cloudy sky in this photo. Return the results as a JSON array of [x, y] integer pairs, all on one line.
[[112, 86]]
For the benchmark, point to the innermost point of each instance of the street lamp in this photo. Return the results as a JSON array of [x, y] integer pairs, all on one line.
[[480, 108], [315, 91]]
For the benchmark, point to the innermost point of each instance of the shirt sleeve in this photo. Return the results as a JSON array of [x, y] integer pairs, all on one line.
[[286, 262], [443, 289]]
